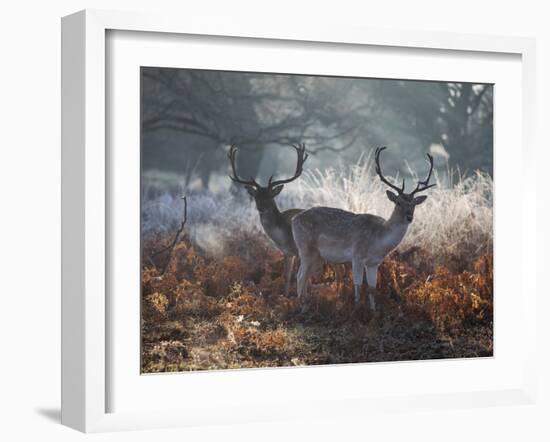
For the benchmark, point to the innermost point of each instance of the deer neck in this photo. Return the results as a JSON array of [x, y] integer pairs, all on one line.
[[270, 216], [277, 227], [396, 228]]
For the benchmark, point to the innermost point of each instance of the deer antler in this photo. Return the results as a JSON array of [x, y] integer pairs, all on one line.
[[235, 178], [379, 171], [423, 185], [302, 157]]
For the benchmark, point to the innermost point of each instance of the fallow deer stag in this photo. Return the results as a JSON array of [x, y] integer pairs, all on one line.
[[275, 223], [364, 240]]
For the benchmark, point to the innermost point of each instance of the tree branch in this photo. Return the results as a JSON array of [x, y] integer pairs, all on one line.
[[172, 245]]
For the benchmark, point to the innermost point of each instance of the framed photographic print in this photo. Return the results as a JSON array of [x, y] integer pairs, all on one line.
[[223, 295], [250, 213]]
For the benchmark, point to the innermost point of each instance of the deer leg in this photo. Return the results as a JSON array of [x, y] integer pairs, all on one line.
[[309, 265], [357, 270], [302, 277], [306, 252], [372, 274], [285, 273], [289, 267], [338, 278]]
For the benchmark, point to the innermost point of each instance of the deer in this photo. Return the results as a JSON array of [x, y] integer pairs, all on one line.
[[276, 224], [339, 236]]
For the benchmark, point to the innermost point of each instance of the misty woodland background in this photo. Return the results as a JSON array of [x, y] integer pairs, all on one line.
[[220, 303]]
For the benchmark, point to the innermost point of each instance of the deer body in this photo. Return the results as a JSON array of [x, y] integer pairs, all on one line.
[[338, 236], [364, 240], [370, 237]]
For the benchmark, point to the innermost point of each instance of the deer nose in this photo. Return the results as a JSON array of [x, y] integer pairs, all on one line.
[[409, 217]]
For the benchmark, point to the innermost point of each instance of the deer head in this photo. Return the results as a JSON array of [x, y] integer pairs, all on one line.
[[405, 203], [265, 196]]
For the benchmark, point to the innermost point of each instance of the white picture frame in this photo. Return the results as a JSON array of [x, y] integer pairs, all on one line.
[[85, 202]]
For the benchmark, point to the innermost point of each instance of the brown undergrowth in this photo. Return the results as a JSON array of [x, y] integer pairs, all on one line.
[[219, 312]]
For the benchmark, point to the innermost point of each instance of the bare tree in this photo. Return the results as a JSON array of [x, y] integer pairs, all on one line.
[[201, 112], [459, 116]]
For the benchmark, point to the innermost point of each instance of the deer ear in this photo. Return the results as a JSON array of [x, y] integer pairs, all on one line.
[[391, 196], [276, 190], [420, 199], [251, 191]]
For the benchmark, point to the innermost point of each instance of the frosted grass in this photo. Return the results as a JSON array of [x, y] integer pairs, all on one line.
[[458, 211]]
